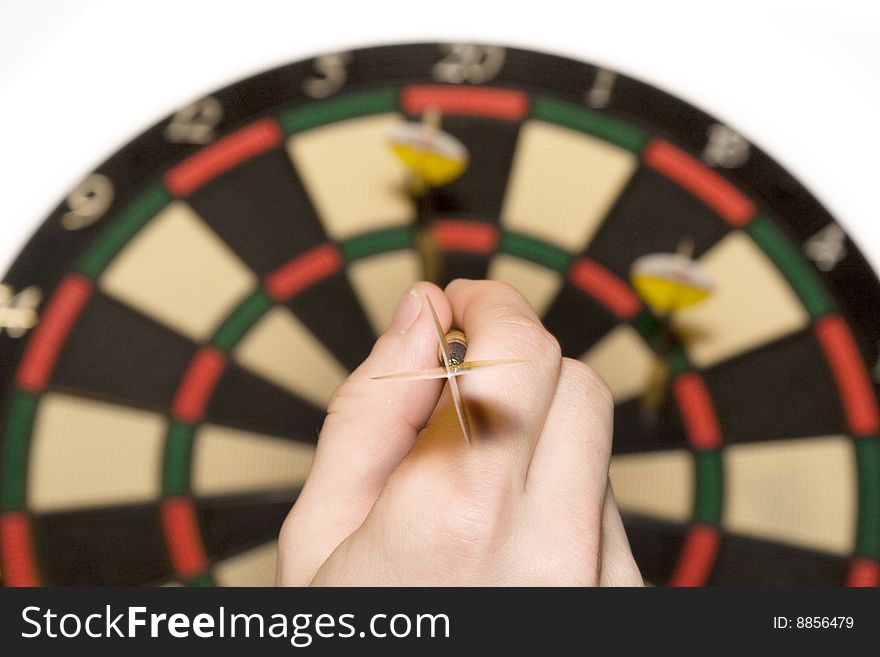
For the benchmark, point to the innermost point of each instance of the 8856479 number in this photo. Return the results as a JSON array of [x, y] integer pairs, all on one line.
[[814, 622]]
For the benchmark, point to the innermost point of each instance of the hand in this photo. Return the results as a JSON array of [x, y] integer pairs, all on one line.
[[527, 503]]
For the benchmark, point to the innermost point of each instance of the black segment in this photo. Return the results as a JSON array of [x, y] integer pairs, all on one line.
[[763, 394], [857, 293], [557, 74], [230, 525], [479, 191], [114, 546], [660, 112], [246, 401], [577, 320], [385, 63], [320, 307], [748, 561], [656, 546], [119, 354], [462, 265], [260, 208], [639, 430], [652, 215]]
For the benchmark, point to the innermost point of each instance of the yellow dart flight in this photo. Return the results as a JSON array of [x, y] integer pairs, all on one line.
[[432, 156], [669, 282]]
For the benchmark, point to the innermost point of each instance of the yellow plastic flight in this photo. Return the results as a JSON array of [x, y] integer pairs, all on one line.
[[433, 157], [669, 282]]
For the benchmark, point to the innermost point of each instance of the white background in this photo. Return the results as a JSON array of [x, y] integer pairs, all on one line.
[[79, 79]]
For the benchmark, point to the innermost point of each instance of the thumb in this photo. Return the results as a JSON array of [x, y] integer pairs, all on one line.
[[369, 428]]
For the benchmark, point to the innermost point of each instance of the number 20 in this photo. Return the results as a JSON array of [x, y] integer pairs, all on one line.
[[468, 63]]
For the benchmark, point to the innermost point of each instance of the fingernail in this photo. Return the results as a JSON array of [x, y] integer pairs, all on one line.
[[408, 309]]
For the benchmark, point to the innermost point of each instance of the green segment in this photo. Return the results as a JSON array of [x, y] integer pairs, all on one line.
[[588, 121], [203, 580], [339, 109], [649, 328], [362, 246], [708, 494], [868, 459], [117, 234], [16, 446], [662, 342], [537, 251], [241, 319], [792, 265], [178, 456], [678, 362]]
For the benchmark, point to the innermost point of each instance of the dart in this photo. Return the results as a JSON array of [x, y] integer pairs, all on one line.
[[432, 157], [668, 283], [451, 353]]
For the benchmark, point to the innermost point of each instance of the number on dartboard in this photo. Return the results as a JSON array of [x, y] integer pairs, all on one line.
[[725, 147], [599, 94], [332, 72], [195, 123], [826, 248], [18, 312], [466, 62], [88, 202]]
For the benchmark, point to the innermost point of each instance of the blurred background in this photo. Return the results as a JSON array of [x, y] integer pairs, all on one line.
[[80, 79]]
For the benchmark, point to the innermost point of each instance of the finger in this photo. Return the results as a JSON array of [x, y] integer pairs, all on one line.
[[371, 425], [506, 409], [618, 565], [369, 428], [569, 468], [568, 475]]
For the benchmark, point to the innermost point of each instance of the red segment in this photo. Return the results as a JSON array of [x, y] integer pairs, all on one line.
[[700, 181], [466, 236], [222, 155], [301, 272], [52, 331], [198, 383], [863, 572], [697, 411], [859, 402], [492, 102], [605, 287], [697, 557], [183, 537], [17, 550]]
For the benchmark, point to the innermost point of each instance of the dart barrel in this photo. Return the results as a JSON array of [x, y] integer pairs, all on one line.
[[457, 347]]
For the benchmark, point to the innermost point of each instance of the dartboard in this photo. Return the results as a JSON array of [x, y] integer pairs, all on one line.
[[173, 331]]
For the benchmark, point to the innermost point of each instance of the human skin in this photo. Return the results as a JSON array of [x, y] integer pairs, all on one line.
[[396, 497]]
